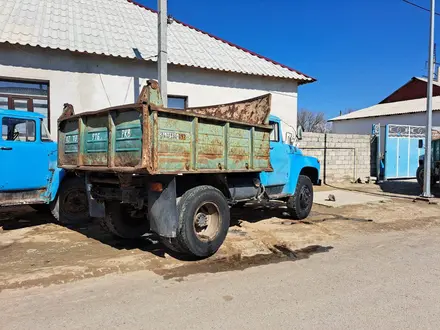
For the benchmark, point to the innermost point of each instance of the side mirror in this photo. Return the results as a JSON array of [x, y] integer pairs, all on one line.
[[299, 133], [420, 143]]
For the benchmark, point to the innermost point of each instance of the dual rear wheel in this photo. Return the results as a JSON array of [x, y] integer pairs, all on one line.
[[203, 222], [203, 218]]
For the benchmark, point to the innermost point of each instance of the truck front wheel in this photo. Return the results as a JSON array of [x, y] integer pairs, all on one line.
[[203, 222], [300, 204], [70, 206], [120, 221]]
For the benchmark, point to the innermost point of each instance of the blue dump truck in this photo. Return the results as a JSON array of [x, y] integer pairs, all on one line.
[[177, 173], [29, 174]]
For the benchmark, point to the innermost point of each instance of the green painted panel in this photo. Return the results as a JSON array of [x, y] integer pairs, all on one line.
[[210, 145], [95, 141], [261, 149], [128, 138], [71, 142], [180, 142], [68, 142], [174, 143], [238, 149]]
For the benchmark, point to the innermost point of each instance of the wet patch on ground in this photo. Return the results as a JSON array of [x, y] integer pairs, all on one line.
[[278, 253]]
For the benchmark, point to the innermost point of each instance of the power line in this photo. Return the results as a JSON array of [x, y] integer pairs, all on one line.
[[418, 6]]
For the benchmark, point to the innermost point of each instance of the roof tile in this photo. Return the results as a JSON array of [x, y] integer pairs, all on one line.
[[116, 27]]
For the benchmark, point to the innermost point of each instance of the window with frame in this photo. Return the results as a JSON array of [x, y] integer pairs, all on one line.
[[14, 129], [177, 102], [26, 95], [274, 134]]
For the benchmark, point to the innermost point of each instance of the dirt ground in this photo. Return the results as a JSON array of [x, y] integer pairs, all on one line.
[[36, 252]]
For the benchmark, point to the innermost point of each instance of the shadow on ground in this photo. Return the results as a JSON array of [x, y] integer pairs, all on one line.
[[15, 218], [408, 189]]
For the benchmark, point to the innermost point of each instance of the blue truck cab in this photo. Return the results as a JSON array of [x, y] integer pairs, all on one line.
[[28, 169], [293, 173]]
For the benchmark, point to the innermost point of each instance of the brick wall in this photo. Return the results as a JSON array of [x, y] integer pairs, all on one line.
[[343, 157]]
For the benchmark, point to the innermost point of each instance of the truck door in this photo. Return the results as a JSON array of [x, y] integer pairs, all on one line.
[[279, 158], [23, 158]]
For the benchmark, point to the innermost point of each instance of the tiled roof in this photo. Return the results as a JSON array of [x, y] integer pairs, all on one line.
[[394, 108], [125, 28]]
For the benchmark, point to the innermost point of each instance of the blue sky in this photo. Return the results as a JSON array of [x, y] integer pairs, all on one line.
[[359, 50]]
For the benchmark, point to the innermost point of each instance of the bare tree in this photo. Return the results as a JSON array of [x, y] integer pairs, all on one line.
[[312, 121]]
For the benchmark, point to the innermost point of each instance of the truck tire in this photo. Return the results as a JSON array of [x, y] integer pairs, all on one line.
[[119, 221], [203, 222], [70, 206], [420, 177], [300, 204]]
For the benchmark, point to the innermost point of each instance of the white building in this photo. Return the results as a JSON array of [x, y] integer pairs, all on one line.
[[95, 54], [405, 106], [410, 112]]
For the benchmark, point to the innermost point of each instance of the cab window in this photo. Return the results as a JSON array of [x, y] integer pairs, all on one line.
[[14, 129], [274, 134], [45, 135]]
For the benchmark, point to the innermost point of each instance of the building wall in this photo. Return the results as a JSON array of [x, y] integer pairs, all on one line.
[[364, 125], [92, 82], [343, 157]]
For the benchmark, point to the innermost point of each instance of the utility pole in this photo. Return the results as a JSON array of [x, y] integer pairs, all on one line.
[[427, 171], [162, 61]]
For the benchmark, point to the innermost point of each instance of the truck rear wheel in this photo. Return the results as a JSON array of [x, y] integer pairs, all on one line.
[[203, 222], [119, 221], [70, 206], [300, 204]]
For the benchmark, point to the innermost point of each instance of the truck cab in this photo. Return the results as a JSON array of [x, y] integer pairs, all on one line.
[[289, 167], [28, 169]]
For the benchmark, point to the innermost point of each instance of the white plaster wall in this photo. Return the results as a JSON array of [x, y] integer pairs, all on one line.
[[364, 125], [92, 82]]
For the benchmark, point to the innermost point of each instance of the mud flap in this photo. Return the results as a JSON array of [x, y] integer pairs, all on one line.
[[162, 208], [96, 209]]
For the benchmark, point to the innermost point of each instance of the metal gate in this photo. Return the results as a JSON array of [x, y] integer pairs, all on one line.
[[402, 150]]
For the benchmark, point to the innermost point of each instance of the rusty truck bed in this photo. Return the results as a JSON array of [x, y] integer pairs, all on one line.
[[146, 138]]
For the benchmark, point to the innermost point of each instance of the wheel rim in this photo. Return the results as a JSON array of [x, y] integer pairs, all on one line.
[[305, 196], [207, 221], [74, 202]]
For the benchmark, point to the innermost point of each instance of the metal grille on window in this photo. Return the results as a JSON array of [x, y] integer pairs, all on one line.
[[25, 96], [398, 131], [418, 132]]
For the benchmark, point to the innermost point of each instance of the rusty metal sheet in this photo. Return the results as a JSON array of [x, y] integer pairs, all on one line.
[[253, 111], [148, 138]]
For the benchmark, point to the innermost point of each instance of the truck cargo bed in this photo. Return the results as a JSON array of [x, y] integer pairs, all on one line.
[[147, 138]]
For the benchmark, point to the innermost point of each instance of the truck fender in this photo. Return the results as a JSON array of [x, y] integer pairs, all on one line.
[[55, 180], [303, 165], [162, 206]]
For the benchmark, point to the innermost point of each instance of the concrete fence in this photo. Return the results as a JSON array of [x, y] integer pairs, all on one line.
[[343, 157]]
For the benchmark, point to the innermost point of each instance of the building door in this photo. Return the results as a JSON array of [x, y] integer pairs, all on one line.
[[402, 150]]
